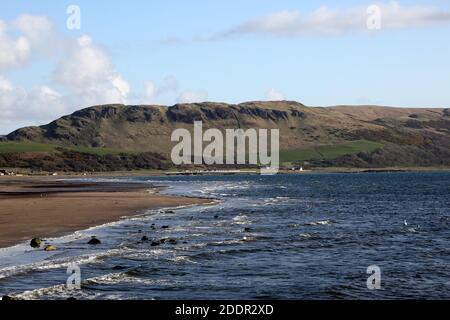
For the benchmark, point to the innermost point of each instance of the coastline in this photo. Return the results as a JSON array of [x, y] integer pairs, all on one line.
[[46, 207], [149, 173]]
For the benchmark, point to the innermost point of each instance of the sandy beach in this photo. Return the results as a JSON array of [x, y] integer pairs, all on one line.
[[45, 207]]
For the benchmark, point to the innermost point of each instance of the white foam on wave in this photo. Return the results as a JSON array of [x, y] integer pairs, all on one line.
[[183, 259], [60, 263], [306, 236], [321, 223], [61, 291], [241, 219]]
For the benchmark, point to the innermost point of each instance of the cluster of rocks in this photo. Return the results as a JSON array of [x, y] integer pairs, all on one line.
[[37, 242], [159, 242]]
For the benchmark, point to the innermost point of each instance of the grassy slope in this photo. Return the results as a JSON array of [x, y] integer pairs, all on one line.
[[329, 151], [17, 147], [14, 147], [286, 156]]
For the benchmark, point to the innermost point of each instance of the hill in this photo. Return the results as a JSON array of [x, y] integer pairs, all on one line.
[[353, 136]]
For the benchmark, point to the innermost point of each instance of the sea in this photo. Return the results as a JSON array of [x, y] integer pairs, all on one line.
[[288, 236]]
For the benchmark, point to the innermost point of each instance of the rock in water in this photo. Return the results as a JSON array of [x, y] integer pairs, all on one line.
[[35, 242], [94, 241], [119, 268], [6, 298], [144, 238], [50, 248], [172, 241], [154, 244]]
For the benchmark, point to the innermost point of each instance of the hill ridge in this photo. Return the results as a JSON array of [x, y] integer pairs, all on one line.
[[410, 136]]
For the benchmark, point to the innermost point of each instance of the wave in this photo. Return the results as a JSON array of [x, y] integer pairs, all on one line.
[[321, 223], [59, 263]]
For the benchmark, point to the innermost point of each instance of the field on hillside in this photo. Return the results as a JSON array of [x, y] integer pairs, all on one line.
[[329, 151], [314, 153], [18, 147], [15, 147]]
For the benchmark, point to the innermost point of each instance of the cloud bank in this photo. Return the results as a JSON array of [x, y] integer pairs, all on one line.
[[192, 97], [329, 21], [83, 75], [274, 95]]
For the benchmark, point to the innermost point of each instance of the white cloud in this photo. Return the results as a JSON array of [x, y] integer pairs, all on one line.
[[83, 72], [5, 85], [192, 97], [329, 21], [274, 95], [17, 104], [87, 73], [38, 29], [13, 52], [152, 91]]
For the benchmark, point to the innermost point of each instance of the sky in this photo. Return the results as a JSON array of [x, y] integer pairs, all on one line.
[[60, 56]]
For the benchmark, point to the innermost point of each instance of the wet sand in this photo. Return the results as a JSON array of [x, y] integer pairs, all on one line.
[[31, 207]]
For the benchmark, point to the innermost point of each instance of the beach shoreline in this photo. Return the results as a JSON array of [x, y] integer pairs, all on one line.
[[49, 207]]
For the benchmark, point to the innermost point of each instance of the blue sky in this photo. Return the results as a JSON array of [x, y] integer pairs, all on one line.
[[230, 51]]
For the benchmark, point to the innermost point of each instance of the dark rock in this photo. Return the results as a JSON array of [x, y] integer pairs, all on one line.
[[118, 268], [94, 241], [164, 227], [414, 124], [162, 241], [216, 217], [154, 244], [7, 298], [185, 242], [172, 241], [35, 242], [169, 211], [144, 238], [247, 229]]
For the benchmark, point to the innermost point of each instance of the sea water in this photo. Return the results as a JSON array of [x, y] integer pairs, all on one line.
[[305, 236]]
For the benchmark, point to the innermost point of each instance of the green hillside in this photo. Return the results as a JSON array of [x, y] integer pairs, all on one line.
[[328, 152], [21, 147]]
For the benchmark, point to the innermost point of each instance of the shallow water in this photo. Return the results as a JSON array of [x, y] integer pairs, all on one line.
[[306, 236]]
